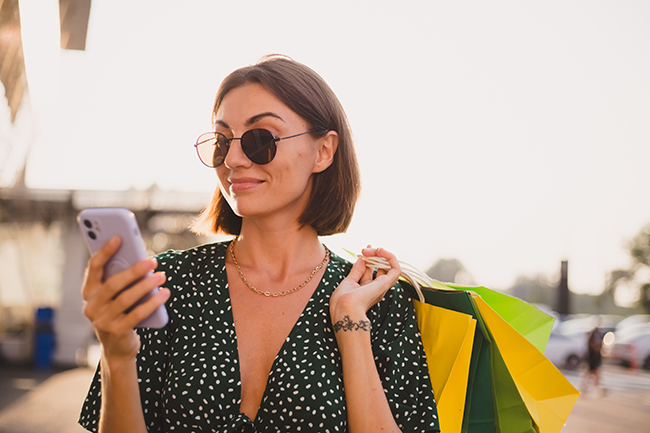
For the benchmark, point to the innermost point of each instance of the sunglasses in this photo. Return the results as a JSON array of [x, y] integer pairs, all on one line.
[[259, 145]]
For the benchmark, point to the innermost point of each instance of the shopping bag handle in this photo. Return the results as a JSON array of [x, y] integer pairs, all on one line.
[[410, 273]]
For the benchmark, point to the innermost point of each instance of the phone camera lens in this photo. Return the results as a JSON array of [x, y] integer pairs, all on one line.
[[92, 235], [88, 223]]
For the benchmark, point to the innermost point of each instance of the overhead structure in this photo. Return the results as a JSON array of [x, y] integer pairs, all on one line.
[[12, 60], [74, 15]]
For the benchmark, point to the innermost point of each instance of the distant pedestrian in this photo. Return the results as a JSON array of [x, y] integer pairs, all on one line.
[[594, 359]]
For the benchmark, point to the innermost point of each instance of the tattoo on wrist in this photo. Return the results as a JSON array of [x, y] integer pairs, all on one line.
[[348, 325]]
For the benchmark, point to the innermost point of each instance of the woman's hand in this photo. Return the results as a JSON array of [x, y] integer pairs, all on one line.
[[359, 291], [368, 409], [105, 302]]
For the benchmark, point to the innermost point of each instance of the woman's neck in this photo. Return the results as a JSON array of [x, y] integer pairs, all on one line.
[[279, 254]]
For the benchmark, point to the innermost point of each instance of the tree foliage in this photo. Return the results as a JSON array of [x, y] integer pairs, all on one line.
[[640, 248], [637, 274], [450, 271]]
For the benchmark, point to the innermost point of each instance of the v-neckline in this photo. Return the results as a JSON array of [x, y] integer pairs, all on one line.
[[314, 296]]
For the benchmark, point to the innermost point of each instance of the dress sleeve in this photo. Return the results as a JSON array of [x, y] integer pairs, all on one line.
[[401, 362], [89, 416], [152, 363]]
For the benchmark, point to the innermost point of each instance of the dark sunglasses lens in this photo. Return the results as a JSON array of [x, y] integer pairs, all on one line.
[[259, 145]]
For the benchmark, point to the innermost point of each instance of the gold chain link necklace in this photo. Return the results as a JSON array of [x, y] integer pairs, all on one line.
[[275, 294]]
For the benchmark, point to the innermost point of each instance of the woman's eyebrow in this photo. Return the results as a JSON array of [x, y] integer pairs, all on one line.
[[250, 121], [221, 123], [259, 117]]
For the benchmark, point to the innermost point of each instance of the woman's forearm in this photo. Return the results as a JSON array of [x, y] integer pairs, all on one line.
[[121, 409], [368, 409]]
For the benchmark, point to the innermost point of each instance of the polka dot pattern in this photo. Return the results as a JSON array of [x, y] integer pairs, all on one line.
[[188, 372]]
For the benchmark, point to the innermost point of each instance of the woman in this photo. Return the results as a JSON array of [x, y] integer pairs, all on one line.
[[269, 331]]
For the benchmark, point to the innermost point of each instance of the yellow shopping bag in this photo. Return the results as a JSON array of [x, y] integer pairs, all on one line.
[[448, 345]]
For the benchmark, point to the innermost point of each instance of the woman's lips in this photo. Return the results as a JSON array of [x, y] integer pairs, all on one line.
[[243, 184]]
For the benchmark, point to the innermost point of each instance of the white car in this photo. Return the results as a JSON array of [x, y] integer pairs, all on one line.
[[585, 323], [633, 320], [566, 350], [632, 346]]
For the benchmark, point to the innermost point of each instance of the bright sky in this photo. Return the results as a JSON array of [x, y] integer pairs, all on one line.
[[510, 135]]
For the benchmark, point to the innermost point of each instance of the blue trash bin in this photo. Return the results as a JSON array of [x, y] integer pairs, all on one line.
[[44, 338]]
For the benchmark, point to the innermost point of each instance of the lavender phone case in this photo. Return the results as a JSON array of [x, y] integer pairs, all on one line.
[[98, 226]]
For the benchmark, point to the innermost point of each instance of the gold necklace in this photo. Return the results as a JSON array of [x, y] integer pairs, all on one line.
[[275, 294]]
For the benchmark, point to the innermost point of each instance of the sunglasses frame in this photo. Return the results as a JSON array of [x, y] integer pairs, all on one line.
[[272, 145]]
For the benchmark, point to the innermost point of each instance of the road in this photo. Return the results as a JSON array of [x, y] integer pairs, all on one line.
[[49, 402], [623, 407]]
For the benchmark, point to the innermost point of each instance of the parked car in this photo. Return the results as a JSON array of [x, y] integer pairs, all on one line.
[[566, 350], [586, 323], [633, 320], [632, 346]]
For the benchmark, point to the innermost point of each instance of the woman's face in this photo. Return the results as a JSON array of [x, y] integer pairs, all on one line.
[[280, 187]]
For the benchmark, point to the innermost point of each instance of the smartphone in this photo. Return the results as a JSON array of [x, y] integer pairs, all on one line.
[[101, 224]]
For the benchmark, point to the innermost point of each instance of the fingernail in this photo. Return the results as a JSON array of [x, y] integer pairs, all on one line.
[[161, 277], [154, 262]]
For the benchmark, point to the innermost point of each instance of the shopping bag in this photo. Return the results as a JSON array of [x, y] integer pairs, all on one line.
[[478, 412], [448, 341], [511, 386], [548, 396]]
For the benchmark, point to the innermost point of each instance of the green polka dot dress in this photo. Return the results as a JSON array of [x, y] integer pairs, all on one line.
[[189, 371]]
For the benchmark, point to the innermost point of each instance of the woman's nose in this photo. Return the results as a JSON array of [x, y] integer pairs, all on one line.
[[236, 156]]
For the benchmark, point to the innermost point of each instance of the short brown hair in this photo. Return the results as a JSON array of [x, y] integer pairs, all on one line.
[[335, 190]]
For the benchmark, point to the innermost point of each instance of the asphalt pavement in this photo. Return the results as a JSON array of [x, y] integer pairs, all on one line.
[[33, 401]]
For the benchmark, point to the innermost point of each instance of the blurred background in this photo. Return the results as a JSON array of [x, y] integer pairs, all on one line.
[[501, 143]]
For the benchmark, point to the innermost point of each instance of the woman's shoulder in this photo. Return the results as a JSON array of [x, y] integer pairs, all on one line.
[[336, 259], [338, 265]]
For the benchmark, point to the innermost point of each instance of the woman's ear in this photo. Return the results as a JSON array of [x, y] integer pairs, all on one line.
[[327, 146]]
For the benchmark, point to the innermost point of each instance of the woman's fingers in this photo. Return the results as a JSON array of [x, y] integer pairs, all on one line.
[[144, 310], [116, 320], [95, 269], [357, 272], [395, 269], [114, 307], [368, 275], [376, 284], [100, 297], [116, 283], [126, 298], [107, 300]]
